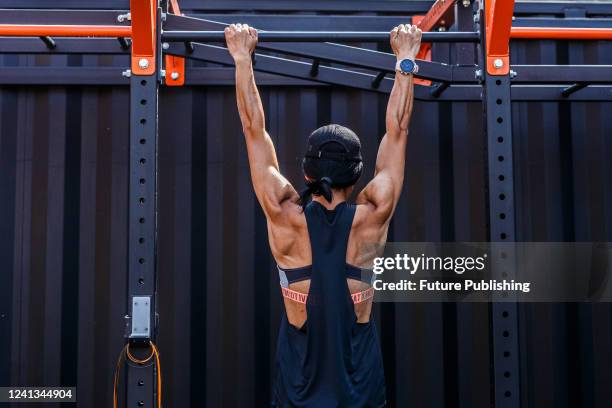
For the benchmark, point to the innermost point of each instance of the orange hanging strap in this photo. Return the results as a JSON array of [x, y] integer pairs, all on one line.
[[126, 352]]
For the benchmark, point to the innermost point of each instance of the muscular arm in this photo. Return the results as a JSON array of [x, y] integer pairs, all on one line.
[[271, 188], [383, 192]]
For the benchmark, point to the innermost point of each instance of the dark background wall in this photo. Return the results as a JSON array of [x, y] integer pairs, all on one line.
[[63, 236]]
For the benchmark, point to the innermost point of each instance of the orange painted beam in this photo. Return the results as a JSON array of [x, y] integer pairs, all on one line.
[[144, 36], [435, 16], [498, 23], [439, 15], [41, 30], [559, 33], [175, 66], [174, 7]]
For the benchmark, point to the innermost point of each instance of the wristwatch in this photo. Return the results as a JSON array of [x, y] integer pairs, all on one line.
[[406, 67]]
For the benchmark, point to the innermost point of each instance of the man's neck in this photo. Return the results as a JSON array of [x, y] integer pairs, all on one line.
[[338, 197]]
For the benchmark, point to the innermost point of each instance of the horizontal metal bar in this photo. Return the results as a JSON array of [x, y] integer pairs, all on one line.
[[345, 6], [318, 36], [41, 16], [560, 74], [561, 33], [559, 7], [111, 76], [63, 4], [29, 45], [319, 22], [224, 76], [410, 7], [54, 75], [287, 67], [41, 30], [566, 22], [417, 6], [339, 53]]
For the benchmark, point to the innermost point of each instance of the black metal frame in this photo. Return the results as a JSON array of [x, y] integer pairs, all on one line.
[[574, 81], [142, 233], [497, 110], [379, 6]]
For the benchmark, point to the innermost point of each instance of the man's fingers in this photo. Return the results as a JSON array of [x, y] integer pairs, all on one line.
[[253, 32], [394, 32]]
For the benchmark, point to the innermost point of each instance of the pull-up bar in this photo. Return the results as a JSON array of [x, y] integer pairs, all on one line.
[[318, 36]]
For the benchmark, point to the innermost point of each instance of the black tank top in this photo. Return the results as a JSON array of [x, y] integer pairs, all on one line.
[[332, 361]]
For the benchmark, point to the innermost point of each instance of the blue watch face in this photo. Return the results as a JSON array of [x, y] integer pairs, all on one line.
[[406, 65]]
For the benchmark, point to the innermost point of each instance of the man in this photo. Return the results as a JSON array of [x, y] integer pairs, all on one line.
[[328, 354]]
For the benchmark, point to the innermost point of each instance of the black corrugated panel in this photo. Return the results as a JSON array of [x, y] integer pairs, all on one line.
[[63, 238], [65, 161]]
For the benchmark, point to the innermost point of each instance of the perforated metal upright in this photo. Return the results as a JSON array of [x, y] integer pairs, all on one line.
[[495, 22], [142, 305]]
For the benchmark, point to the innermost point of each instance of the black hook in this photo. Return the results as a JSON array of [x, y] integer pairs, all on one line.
[[314, 69], [189, 46], [376, 81], [124, 42], [573, 88], [437, 89], [49, 42]]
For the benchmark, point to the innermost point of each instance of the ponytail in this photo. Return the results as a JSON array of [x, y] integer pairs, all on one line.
[[322, 186]]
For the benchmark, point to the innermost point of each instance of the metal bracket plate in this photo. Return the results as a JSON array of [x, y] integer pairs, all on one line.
[[141, 317]]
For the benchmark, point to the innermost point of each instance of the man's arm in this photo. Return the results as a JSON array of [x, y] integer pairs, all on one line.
[[271, 188], [383, 192]]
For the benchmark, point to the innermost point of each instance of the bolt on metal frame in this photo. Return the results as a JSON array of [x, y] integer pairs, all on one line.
[[493, 31]]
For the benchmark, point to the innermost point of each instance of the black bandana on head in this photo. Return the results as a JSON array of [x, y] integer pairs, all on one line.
[[332, 160]]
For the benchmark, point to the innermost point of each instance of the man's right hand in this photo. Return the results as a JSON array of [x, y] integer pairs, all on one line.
[[406, 41], [241, 40]]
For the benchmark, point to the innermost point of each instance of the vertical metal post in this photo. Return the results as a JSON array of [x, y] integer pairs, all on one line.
[[142, 238], [498, 124], [142, 235]]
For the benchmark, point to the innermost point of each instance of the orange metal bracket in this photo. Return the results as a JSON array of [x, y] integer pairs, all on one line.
[[439, 15], [144, 36], [498, 19], [175, 66]]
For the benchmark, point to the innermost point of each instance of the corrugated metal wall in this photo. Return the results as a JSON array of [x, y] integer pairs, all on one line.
[[63, 238]]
